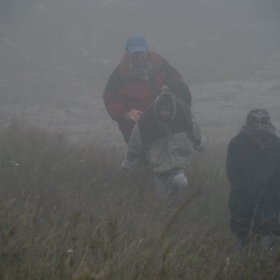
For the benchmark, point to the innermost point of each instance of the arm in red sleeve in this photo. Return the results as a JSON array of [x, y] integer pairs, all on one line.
[[112, 101]]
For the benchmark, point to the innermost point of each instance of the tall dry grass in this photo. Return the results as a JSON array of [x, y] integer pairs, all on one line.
[[70, 212]]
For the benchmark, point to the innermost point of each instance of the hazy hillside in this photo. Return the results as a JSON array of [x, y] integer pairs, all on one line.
[[208, 40], [67, 209]]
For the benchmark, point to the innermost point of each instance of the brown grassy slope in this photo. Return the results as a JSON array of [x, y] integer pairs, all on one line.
[[69, 212]]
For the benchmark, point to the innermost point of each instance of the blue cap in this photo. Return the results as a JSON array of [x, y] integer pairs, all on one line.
[[136, 43]]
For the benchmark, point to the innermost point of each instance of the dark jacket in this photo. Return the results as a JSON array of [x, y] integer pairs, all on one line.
[[166, 146], [254, 176], [124, 91]]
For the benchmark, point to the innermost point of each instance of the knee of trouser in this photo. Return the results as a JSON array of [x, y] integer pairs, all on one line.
[[180, 180]]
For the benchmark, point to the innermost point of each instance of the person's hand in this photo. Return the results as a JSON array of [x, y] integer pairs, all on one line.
[[133, 115]]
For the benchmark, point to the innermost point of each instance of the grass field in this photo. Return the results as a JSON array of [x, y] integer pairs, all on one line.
[[69, 212]]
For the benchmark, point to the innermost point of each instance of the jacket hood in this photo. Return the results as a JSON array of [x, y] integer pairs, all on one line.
[[166, 95]]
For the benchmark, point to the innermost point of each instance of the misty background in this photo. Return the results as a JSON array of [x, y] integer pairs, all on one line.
[[207, 40], [56, 57]]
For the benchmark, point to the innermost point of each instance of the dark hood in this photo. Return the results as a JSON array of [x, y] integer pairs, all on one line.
[[171, 100]]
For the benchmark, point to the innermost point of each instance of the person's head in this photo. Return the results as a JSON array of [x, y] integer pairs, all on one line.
[[258, 125], [136, 48], [165, 105], [165, 110]]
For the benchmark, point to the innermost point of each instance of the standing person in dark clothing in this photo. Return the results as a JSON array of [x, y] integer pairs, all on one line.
[[136, 82], [253, 170]]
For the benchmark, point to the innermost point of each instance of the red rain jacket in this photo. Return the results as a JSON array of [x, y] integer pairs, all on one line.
[[124, 91]]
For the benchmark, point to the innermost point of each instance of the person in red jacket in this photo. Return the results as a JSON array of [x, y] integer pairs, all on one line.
[[136, 83]]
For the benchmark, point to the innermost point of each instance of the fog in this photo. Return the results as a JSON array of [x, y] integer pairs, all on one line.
[[68, 211], [208, 41]]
